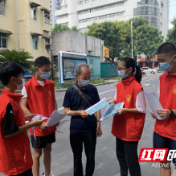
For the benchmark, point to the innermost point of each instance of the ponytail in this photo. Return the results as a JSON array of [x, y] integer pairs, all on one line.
[[138, 74], [129, 62]]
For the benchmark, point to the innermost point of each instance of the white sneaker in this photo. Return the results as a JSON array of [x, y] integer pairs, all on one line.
[[49, 175]]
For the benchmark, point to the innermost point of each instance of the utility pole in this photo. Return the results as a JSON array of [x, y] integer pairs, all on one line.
[[52, 74], [17, 25], [132, 38]]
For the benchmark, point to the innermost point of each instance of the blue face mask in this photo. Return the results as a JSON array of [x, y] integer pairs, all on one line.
[[45, 75], [122, 74], [84, 83], [166, 65]]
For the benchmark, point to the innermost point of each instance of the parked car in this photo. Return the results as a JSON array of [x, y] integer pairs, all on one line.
[[149, 70], [143, 72], [159, 70]]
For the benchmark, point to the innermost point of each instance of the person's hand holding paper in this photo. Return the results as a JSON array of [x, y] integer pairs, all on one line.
[[152, 114], [163, 113], [120, 111], [29, 117], [112, 100], [157, 110], [44, 126]]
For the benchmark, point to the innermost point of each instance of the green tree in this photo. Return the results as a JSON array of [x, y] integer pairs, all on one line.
[[171, 36], [74, 28], [20, 57], [116, 36], [63, 27], [60, 28], [146, 39]]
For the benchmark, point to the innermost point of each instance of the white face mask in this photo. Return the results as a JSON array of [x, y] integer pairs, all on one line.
[[20, 86]]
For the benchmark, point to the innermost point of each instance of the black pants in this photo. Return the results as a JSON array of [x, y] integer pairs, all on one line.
[[128, 158], [77, 139]]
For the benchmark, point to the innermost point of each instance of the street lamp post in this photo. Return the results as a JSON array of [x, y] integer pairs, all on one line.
[[17, 25], [132, 38], [52, 74]]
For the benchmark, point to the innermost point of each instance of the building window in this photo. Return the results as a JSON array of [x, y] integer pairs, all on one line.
[[47, 18], [3, 40], [35, 42], [103, 7], [155, 12], [146, 1], [33, 13], [47, 40], [112, 15], [2, 8], [95, 9], [111, 6]]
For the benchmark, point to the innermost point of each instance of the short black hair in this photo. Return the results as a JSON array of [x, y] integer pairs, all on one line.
[[167, 48], [41, 61], [9, 69]]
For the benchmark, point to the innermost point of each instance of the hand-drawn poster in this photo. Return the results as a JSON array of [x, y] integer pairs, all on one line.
[[70, 67]]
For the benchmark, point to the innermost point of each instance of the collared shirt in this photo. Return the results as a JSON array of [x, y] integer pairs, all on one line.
[[75, 102]]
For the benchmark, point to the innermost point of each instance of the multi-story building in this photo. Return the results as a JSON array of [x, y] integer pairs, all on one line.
[[54, 6], [25, 25], [82, 13]]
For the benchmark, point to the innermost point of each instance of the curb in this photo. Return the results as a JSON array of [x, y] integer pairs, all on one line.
[[63, 90]]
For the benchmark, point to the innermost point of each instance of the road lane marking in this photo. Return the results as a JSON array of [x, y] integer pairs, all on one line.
[[106, 91], [99, 94]]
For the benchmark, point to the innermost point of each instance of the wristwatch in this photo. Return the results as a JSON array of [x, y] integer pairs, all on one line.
[[172, 114]]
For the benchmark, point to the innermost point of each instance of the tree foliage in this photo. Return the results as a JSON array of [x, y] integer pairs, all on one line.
[[171, 36], [117, 37], [74, 28], [20, 57], [60, 28], [63, 27], [146, 39]]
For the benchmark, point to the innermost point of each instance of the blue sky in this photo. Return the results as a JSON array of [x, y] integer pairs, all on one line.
[[172, 13]]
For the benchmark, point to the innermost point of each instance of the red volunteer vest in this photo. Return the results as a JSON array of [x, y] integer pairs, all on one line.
[[128, 126], [41, 100], [167, 127], [15, 152]]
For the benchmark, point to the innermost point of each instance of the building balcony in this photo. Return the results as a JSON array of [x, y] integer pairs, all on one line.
[[102, 12], [95, 4], [62, 21], [61, 12], [46, 27]]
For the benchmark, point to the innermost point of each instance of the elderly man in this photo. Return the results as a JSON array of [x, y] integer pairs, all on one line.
[[83, 128]]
